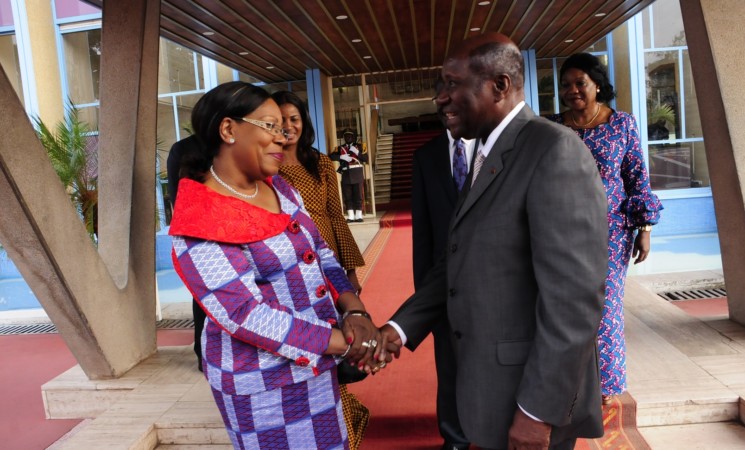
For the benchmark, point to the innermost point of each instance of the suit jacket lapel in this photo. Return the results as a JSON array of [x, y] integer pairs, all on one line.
[[493, 164]]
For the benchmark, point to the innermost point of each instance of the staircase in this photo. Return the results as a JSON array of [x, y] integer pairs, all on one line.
[[383, 160], [393, 167], [404, 145]]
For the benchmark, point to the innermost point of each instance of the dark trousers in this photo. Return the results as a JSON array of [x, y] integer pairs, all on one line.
[[352, 194], [447, 409], [199, 317]]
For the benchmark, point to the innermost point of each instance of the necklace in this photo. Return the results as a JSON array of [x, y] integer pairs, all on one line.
[[226, 186], [588, 123]]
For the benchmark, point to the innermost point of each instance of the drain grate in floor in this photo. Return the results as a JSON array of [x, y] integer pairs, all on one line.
[[175, 324], [694, 294], [48, 328], [29, 328]]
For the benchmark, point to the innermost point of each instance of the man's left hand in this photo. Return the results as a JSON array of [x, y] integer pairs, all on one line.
[[528, 434]]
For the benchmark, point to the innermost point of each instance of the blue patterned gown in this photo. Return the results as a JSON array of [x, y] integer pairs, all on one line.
[[631, 203]]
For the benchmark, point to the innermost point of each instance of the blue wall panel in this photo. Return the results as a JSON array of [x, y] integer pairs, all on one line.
[[683, 216]]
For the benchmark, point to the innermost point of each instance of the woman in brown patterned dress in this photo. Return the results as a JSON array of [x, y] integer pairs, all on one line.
[[314, 176]]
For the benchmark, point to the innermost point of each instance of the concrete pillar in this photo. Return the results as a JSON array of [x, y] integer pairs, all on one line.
[[103, 303], [715, 42]]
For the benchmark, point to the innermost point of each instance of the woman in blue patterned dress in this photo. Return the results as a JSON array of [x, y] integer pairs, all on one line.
[[613, 138], [281, 313]]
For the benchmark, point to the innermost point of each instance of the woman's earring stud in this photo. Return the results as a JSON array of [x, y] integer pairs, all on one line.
[[231, 141]]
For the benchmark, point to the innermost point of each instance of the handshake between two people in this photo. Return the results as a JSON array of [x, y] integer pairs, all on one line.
[[364, 345]]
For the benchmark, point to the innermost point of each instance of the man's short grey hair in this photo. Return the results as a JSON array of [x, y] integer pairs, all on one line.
[[493, 59]]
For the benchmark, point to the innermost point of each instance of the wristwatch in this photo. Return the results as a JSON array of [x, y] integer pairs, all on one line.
[[645, 227]]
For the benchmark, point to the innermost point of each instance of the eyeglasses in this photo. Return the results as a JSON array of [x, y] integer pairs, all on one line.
[[271, 127]]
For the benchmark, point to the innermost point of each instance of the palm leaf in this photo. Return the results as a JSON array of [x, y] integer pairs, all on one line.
[[67, 148]]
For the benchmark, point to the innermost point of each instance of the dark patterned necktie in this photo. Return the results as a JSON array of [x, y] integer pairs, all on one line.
[[477, 165], [460, 166]]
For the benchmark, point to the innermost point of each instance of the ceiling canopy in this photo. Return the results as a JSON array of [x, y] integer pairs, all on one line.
[[276, 41]]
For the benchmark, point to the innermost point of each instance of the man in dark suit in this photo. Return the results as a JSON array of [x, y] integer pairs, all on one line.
[[523, 276], [440, 168], [173, 166]]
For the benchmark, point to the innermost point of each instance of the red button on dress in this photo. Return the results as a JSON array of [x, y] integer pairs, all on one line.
[[309, 256], [302, 361], [321, 291], [294, 227]]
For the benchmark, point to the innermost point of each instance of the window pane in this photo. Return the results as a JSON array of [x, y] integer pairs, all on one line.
[[73, 8], [9, 61], [90, 116], [166, 127], [699, 167], [678, 165], [693, 118], [6, 14], [646, 30], [184, 106], [247, 78], [546, 92], [224, 73], [668, 24], [82, 64], [599, 46], [167, 133], [180, 69], [663, 113]]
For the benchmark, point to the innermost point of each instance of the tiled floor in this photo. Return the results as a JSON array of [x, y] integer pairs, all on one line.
[[686, 374]]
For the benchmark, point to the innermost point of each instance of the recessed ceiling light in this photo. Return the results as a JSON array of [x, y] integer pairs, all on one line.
[[569, 41], [475, 29], [599, 14], [356, 40], [342, 17], [270, 67], [243, 53], [208, 33], [366, 57], [483, 3]]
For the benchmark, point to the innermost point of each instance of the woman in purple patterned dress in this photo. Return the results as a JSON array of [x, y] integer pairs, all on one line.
[[613, 138], [281, 313]]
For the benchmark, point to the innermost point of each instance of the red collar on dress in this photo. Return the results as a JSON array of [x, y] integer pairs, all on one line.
[[205, 214]]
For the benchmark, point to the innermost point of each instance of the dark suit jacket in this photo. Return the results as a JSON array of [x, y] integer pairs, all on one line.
[[522, 283], [433, 198]]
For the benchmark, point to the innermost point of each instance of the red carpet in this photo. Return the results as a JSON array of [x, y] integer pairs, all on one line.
[[401, 398], [621, 433]]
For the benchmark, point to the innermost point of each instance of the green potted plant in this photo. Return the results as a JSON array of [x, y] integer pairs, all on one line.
[[76, 165]]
